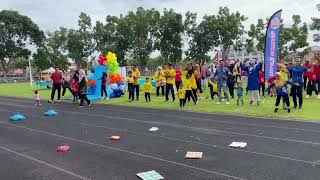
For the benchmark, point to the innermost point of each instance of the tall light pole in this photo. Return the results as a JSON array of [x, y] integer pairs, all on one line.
[[30, 72]]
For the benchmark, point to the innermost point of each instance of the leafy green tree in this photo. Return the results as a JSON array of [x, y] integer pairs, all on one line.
[[143, 25], [80, 44], [17, 32], [229, 27], [169, 36], [256, 36], [315, 26]]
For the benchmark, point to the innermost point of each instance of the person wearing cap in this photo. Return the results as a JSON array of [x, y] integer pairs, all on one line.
[[281, 86], [221, 74], [253, 81], [297, 72]]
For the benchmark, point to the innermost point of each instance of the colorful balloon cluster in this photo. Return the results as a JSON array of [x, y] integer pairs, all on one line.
[[116, 81]]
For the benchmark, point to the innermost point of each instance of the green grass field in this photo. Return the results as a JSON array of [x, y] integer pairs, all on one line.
[[310, 111]]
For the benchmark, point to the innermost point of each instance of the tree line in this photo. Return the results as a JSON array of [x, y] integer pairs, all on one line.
[[137, 34]]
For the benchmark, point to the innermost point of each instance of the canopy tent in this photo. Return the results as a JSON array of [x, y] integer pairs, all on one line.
[[50, 70]]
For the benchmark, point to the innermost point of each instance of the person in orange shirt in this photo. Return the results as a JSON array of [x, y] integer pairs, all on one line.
[[136, 78], [170, 74]]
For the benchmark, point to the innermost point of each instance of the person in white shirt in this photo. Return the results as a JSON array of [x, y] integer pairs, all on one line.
[[37, 98]]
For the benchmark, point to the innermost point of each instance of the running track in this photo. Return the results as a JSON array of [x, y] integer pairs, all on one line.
[[277, 149]]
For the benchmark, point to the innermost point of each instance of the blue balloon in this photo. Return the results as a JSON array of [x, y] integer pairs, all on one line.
[[122, 87], [114, 86]]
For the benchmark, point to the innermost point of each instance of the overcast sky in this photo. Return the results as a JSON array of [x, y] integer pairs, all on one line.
[[50, 15]]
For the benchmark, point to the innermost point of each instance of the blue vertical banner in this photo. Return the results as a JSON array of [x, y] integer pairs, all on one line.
[[271, 45]]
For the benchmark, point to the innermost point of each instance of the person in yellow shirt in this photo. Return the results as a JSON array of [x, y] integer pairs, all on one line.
[[136, 77], [130, 81], [170, 74], [182, 96], [147, 87], [213, 87], [188, 87], [161, 81]]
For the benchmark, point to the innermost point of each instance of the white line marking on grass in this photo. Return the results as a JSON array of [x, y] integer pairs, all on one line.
[[125, 151], [188, 127], [213, 120], [44, 163]]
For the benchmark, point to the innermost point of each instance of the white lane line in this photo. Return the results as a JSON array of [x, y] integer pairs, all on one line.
[[188, 141], [219, 121], [44, 163], [204, 144], [125, 151], [188, 127]]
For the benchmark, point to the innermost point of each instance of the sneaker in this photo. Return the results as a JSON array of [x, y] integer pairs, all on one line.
[[81, 106], [295, 107], [58, 101], [307, 97], [227, 102], [108, 98], [276, 110], [90, 103], [50, 101], [218, 102], [102, 98], [300, 107], [251, 102]]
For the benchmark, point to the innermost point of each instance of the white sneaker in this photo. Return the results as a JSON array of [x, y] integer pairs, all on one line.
[[318, 96], [219, 102], [307, 97], [227, 102], [107, 98]]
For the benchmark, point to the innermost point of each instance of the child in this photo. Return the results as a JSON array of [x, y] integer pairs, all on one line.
[[239, 89], [182, 96], [131, 86], [281, 90], [104, 86], [188, 87], [83, 88], [213, 87], [75, 89], [147, 89], [37, 98]]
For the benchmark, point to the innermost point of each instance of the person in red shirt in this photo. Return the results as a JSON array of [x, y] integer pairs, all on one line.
[[56, 78], [306, 74], [317, 72], [312, 81], [178, 77], [262, 82]]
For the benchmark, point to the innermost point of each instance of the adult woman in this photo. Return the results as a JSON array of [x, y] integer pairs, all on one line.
[[83, 88], [253, 81], [197, 74], [161, 81], [297, 72]]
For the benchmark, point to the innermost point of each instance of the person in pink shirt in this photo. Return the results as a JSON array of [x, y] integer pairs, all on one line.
[[56, 78], [178, 77]]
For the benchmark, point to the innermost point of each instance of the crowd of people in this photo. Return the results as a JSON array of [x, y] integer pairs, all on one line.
[[225, 80], [76, 84]]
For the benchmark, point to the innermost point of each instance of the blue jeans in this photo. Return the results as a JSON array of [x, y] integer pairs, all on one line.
[[223, 86]]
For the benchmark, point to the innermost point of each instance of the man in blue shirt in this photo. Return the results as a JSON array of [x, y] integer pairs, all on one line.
[[296, 72], [221, 74]]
